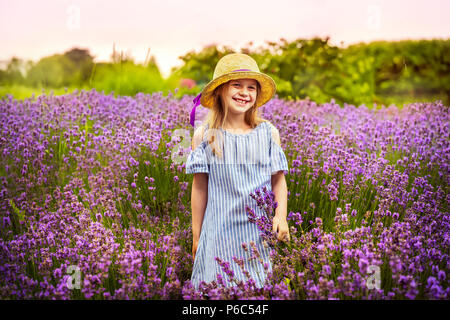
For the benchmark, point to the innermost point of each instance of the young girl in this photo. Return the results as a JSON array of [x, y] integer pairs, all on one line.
[[234, 153]]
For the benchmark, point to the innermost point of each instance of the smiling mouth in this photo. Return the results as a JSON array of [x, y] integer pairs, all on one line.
[[240, 102]]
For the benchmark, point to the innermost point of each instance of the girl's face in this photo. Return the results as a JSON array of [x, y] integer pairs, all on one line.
[[240, 95]]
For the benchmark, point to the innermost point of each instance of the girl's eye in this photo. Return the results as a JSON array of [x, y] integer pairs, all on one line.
[[237, 84]]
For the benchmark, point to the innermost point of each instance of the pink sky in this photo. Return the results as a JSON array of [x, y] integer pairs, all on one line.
[[34, 29]]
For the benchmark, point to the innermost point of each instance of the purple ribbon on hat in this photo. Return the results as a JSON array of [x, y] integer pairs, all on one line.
[[196, 102]]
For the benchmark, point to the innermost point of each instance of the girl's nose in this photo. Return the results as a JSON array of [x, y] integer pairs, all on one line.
[[244, 92]]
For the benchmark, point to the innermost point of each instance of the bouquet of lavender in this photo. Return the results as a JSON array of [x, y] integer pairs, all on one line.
[[266, 201]]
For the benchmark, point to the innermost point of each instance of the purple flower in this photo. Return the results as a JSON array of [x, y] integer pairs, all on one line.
[[68, 160]]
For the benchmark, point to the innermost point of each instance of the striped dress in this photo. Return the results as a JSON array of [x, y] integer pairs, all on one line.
[[247, 163]]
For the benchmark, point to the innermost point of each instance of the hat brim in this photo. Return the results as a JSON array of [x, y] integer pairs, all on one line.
[[268, 87]]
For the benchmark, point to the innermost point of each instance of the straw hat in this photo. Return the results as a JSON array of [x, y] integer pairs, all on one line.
[[230, 67]]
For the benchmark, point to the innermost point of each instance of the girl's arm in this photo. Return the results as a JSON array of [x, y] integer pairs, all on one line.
[[279, 188], [199, 197]]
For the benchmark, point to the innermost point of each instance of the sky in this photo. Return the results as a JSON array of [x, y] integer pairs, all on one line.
[[171, 28]]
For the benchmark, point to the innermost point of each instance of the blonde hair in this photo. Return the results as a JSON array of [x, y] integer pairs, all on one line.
[[218, 113]]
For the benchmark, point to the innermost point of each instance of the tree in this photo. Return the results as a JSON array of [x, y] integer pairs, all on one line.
[[14, 72], [54, 71], [83, 62]]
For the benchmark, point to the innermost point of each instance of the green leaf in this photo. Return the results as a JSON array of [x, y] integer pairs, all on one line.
[[20, 214]]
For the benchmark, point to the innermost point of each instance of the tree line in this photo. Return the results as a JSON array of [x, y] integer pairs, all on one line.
[[377, 72]]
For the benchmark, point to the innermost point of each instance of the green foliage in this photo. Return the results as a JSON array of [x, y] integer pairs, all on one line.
[[379, 72], [20, 92], [53, 71], [13, 72], [126, 78], [18, 217], [75, 69], [200, 66], [84, 63], [72, 68], [356, 84], [304, 64]]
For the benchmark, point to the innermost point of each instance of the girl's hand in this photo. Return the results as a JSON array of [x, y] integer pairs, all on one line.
[[194, 247], [280, 226]]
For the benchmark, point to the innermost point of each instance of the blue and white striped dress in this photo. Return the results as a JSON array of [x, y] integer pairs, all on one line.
[[247, 163]]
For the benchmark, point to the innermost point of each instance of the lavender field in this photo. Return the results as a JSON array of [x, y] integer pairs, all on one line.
[[93, 206]]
